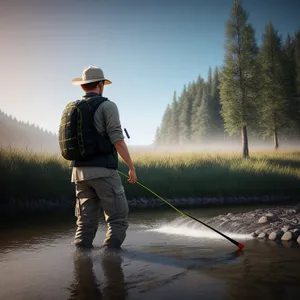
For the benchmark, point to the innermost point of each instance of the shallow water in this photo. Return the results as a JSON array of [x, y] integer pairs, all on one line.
[[163, 255]]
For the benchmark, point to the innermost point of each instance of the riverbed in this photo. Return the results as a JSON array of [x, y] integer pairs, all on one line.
[[164, 255]]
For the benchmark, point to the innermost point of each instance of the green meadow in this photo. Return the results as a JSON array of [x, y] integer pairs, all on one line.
[[28, 176]]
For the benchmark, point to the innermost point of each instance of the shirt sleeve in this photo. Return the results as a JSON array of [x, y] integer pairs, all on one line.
[[112, 121]]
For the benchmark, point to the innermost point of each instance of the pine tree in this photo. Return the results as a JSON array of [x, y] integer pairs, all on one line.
[[238, 86], [185, 117], [200, 84], [272, 106], [216, 105], [164, 132], [289, 68], [205, 117], [174, 121], [199, 88], [195, 127], [157, 140], [209, 83], [168, 134]]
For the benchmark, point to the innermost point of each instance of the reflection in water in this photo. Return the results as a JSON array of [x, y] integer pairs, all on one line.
[[264, 274], [114, 277], [86, 285]]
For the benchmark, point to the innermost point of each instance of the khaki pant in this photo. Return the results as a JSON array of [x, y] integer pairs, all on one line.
[[91, 195]]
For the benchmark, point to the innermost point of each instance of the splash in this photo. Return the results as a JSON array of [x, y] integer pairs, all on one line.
[[190, 229]]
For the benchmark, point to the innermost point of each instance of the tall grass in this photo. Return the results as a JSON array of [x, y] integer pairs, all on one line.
[[26, 175], [226, 174]]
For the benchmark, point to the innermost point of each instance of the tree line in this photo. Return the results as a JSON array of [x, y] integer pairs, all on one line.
[[22, 135], [255, 93]]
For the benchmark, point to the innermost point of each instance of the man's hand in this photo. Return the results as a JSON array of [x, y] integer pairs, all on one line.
[[123, 151], [132, 176]]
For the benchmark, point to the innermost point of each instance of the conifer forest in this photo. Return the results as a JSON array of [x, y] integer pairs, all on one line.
[[253, 96]]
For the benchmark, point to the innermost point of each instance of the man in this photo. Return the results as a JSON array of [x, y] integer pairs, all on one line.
[[96, 180]]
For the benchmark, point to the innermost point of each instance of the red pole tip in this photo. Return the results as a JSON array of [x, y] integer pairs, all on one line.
[[241, 246]]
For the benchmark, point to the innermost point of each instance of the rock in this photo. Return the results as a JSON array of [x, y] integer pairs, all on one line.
[[262, 235], [270, 215], [287, 236], [254, 234], [298, 239], [273, 236], [263, 220], [285, 228]]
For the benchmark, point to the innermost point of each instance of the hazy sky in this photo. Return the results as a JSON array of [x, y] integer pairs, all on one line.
[[148, 49]]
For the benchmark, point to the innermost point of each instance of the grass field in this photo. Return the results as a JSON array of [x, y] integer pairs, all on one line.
[[27, 175]]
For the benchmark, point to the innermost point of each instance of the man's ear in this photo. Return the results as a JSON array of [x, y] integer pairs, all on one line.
[[101, 86]]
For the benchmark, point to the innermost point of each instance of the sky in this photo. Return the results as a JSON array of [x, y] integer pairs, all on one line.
[[148, 49]]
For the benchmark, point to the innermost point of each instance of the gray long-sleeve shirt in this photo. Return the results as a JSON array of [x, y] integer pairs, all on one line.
[[106, 119]]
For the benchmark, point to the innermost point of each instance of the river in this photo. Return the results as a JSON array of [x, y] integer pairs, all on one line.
[[164, 255]]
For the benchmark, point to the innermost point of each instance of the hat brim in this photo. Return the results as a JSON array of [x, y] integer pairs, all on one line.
[[79, 81]]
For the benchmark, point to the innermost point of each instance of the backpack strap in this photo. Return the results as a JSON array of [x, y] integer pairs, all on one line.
[[94, 103]]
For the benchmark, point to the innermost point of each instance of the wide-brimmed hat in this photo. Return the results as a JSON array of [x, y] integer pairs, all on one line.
[[91, 74]]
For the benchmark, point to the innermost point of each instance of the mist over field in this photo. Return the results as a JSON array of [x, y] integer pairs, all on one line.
[[25, 136], [221, 147]]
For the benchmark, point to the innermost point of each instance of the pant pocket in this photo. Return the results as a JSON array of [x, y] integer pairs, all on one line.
[[121, 204], [87, 208]]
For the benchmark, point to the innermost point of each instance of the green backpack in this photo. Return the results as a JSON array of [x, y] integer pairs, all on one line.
[[78, 136]]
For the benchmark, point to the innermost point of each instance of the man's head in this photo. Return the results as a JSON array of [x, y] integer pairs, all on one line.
[[94, 87], [92, 80]]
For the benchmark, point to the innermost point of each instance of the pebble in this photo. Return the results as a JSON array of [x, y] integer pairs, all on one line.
[[287, 236], [273, 236], [262, 235], [298, 239], [285, 228], [254, 234], [263, 220]]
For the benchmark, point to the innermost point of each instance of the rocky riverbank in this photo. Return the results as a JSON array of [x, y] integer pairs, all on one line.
[[197, 201], [276, 224]]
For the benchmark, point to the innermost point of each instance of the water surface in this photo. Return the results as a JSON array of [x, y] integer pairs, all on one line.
[[164, 255]]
